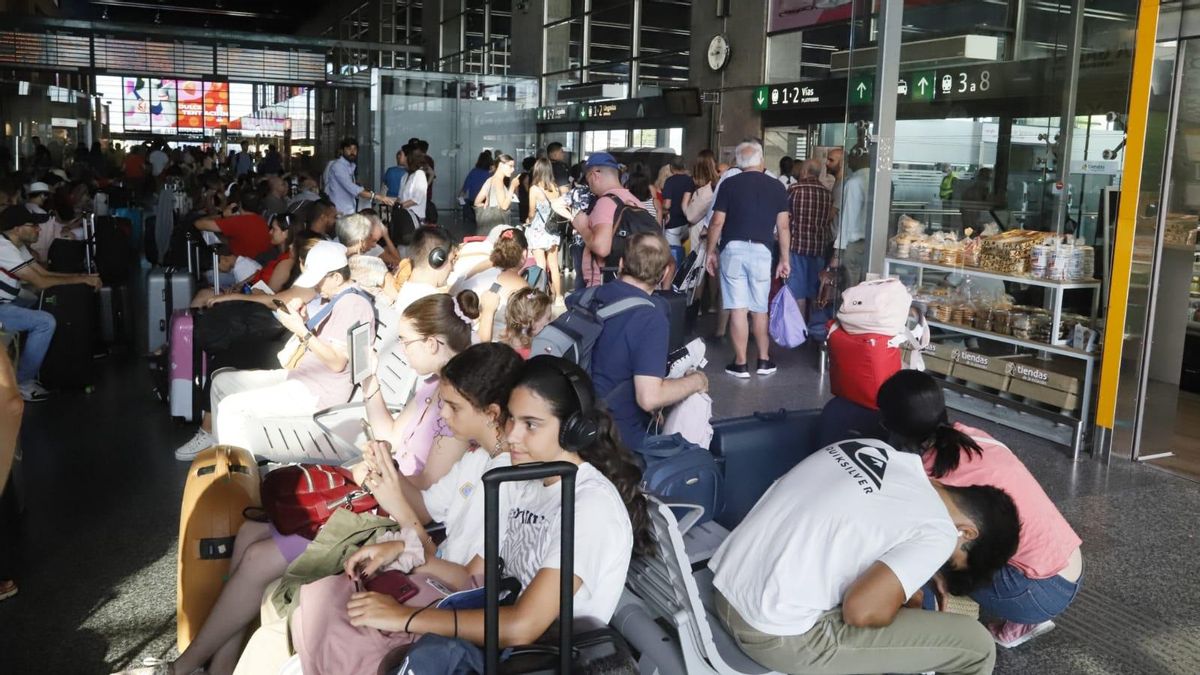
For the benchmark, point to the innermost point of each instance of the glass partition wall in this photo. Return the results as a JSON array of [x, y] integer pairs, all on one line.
[[980, 147]]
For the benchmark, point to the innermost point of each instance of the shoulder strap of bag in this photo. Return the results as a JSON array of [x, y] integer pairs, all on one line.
[[316, 320], [661, 447], [609, 311]]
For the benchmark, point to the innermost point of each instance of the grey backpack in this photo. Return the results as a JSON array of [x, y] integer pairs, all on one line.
[[573, 334]]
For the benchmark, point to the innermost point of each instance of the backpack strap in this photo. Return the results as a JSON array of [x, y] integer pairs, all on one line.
[[608, 311], [317, 319]]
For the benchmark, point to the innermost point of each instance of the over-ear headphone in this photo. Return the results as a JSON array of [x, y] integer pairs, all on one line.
[[580, 429], [438, 257]]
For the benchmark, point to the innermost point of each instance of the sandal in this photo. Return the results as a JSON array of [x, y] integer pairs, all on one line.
[[8, 589]]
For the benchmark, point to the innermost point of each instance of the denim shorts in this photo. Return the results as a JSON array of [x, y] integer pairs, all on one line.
[[805, 279], [745, 276], [1016, 597]]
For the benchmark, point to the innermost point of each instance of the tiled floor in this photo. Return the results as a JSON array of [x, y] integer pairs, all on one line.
[[103, 493]]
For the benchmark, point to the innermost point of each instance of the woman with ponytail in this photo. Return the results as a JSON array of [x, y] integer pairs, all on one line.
[[554, 416], [1043, 577]]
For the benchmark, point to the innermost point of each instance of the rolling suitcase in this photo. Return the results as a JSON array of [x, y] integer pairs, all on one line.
[[68, 363], [222, 482], [678, 316], [860, 364], [755, 451], [570, 646], [187, 368], [167, 291], [116, 321], [113, 252]]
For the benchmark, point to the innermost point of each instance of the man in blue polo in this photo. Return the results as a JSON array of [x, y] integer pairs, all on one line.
[[750, 211], [340, 184]]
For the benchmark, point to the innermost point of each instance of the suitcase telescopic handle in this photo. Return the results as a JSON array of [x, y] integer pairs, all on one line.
[[491, 555]]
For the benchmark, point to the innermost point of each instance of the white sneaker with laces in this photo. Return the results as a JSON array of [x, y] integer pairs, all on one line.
[[200, 442], [686, 361], [32, 392]]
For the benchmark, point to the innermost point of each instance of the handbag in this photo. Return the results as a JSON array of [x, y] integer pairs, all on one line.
[[488, 216], [787, 326], [402, 226], [827, 293], [299, 498]]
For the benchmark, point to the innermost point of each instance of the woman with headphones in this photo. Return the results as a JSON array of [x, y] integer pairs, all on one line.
[[553, 417]]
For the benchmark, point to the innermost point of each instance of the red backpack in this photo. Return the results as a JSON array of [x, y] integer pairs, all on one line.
[[299, 498]]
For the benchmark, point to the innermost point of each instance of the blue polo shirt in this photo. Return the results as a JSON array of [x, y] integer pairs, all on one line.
[[750, 201], [632, 343], [392, 178], [474, 181]]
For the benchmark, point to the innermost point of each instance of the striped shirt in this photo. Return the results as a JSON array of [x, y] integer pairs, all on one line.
[[810, 205], [13, 258]]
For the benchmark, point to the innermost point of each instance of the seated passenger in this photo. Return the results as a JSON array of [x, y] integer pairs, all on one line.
[[475, 385], [529, 311], [609, 508], [239, 268], [629, 359], [19, 228], [317, 378], [381, 243], [817, 577], [508, 256], [1043, 577], [431, 332], [245, 231], [432, 257]]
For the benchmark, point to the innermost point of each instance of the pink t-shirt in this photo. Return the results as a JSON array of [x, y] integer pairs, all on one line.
[[602, 214], [1047, 540], [422, 431], [333, 388]]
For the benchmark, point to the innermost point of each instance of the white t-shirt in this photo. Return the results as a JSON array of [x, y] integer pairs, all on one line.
[[603, 538], [820, 526], [244, 268], [158, 161], [411, 292], [416, 188], [12, 259], [456, 501]]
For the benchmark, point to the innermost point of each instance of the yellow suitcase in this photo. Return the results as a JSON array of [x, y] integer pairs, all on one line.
[[222, 482]]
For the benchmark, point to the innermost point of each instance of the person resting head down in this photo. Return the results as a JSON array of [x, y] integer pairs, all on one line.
[[819, 576]]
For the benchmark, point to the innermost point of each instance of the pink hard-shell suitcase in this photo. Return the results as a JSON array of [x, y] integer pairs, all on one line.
[[186, 383]]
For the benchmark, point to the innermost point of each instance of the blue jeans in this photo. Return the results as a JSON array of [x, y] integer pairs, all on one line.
[[677, 253], [1017, 598], [40, 328]]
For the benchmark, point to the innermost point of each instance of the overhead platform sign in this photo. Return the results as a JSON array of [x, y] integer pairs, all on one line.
[[814, 94]]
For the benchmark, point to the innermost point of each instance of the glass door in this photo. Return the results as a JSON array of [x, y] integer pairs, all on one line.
[[1169, 422]]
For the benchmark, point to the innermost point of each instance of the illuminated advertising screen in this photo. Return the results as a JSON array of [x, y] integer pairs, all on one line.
[[136, 94], [162, 105], [190, 99], [216, 104]]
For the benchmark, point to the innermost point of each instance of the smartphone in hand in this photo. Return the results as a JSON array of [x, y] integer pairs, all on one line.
[[279, 304]]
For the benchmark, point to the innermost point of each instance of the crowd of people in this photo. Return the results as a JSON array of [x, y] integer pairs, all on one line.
[[843, 565]]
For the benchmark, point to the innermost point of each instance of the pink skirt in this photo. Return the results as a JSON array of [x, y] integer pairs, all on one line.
[[329, 645]]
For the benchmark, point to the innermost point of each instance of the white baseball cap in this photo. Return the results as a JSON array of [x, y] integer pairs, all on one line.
[[325, 257], [38, 188]]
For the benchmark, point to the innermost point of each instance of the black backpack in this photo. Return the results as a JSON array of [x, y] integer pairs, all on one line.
[[628, 220]]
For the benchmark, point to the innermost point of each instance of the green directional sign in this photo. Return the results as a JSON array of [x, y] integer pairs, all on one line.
[[862, 89], [762, 98], [922, 84]]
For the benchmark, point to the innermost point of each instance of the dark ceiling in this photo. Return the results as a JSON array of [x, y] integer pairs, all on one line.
[[263, 16]]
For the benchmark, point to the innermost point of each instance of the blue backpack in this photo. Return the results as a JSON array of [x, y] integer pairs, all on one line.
[[680, 472]]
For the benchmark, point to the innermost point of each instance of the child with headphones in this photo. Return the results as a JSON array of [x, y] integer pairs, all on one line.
[[554, 416]]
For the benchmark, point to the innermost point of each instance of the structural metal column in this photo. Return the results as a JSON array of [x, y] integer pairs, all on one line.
[[883, 136]]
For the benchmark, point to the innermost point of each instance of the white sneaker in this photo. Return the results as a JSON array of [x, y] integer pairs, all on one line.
[[686, 358], [199, 443], [32, 392]]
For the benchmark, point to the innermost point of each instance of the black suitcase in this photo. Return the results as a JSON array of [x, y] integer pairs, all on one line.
[[583, 647], [115, 312], [68, 256], [68, 363], [678, 316], [755, 451], [114, 253]]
